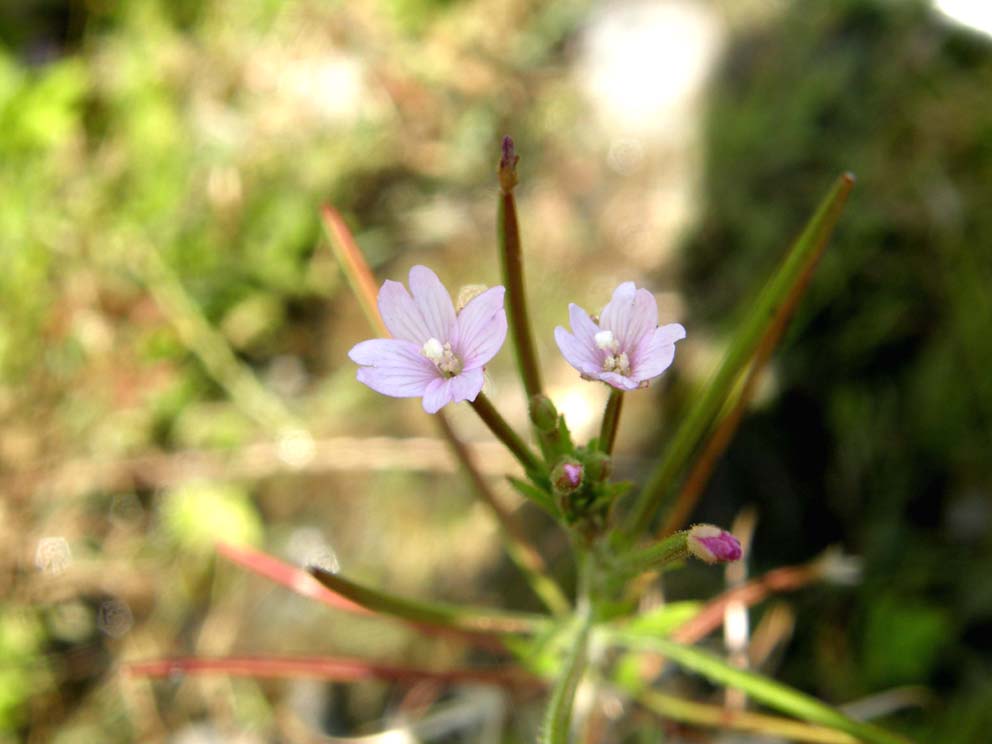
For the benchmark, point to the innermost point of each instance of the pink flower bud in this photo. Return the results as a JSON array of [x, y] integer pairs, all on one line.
[[573, 473], [566, 476], [713, 545]]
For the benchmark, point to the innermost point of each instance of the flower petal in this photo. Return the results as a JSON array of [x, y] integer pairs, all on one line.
[[437, 395], [655, 354], [467, 385], [433, 302], [614, 379], [582, 355], [393, 367], [583, 326], [481, 328], [384, 352], [631, 315], [401, 315]]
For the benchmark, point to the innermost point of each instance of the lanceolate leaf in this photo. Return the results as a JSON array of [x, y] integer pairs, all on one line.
[[687, 711], [811, 242], [455, 617], [354, 266], [763, 689], [291, 577]]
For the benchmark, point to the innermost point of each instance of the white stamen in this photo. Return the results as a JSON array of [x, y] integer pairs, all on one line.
[[606, 341], [433, 350], [443, 357], [617, 363]]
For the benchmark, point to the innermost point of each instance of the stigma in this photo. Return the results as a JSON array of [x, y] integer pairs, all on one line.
[[443, 357]]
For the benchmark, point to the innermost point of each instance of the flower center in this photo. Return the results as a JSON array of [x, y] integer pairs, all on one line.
[[442, 356], [615, 360]]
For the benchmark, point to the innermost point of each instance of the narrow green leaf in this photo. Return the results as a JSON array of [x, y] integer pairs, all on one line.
[[456, 617], [663, 620], [812, 241], [533, 493], [688, 711], [768, 691]]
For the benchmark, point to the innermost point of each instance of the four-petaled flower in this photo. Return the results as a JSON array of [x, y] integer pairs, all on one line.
[[434, 353], [626, 348]]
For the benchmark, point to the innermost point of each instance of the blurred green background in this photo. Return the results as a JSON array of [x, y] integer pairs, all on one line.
[[173, 331]]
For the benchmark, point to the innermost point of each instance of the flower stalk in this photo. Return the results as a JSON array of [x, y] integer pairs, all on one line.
[[505, 433], [611, 421], [512, 265]]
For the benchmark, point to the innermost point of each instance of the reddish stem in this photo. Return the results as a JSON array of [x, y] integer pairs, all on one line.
[[334, 668]]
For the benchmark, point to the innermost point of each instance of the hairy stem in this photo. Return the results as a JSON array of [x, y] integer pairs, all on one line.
[[558, 717]]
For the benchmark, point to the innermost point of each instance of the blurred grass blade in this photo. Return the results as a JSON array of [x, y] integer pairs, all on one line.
[[762, 316], [454, 617], [291, 577], [687, 711], [334, 668], [209, 345], [773, 694], [352, 262]]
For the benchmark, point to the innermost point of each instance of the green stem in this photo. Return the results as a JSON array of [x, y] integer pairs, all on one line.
[[498, 426], [558, 717], [611, 421], [511, 263], [653, 557]]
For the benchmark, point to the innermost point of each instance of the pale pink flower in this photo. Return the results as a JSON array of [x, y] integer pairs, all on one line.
[[625, 348], [434, 353]]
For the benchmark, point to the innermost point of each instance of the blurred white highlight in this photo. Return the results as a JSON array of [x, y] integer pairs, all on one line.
[[308, 547], [975, 14], [296, 447], [53, 555], [644, 62], [581, 406]]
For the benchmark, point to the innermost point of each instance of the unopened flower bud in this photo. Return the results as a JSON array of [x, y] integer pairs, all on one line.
[[713, 545], [566, 476], [599, 465], [543, 412]]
